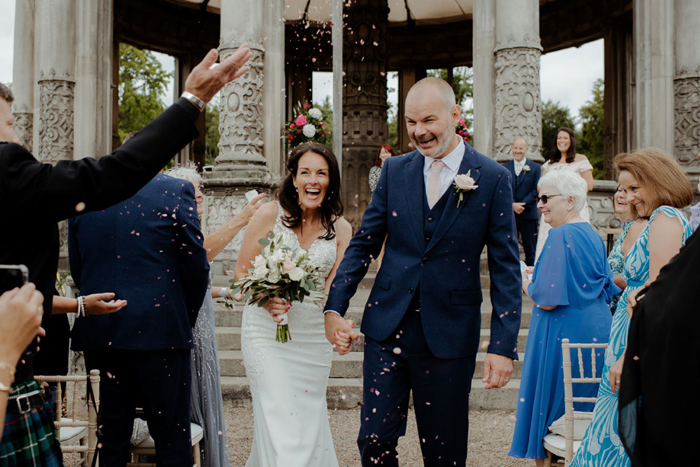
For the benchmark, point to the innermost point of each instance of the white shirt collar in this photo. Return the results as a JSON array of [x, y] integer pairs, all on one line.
[[453, 160], [522, 162]]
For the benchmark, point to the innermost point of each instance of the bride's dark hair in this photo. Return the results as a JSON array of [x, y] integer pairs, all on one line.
[[331, 207]]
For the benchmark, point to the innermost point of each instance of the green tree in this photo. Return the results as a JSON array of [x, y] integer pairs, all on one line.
[[142, 80], [554, 116], [211, 133], [591, 141]]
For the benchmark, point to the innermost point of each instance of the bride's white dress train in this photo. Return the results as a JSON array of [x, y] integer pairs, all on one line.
[[288, 381]]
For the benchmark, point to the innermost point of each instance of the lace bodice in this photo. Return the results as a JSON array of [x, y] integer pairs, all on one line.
[[321, 252]]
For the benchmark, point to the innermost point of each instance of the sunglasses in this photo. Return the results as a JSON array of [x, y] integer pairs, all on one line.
[[545, 198]]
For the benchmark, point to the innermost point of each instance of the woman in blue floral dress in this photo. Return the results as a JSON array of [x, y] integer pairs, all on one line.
[[657, 188]]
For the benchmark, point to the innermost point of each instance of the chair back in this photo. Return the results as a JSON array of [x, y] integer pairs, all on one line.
[[569, 415], [81, 423]]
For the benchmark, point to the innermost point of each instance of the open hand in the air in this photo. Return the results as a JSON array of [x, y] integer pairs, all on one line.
[[205, 81], [96, 304]]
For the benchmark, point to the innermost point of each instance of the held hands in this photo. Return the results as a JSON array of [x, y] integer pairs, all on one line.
[[20, 321], [95, 304], [497, 370], [277, 307], [340, 332], [205, 81]]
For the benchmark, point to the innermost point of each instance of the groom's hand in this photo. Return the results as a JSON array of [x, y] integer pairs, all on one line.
[[497, 370], [336, 323]]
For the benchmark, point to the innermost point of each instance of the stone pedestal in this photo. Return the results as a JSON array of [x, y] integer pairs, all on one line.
[[687, 85], [23, 73], [517, 78], [364, 100]]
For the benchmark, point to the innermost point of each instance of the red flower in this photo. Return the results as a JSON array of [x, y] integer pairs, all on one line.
[[291, 138], [291, 125]]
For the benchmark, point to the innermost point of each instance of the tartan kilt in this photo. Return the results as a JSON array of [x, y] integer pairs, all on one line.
[[30, 439]]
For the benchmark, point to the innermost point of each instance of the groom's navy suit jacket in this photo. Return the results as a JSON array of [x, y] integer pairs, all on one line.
[[149, 251], [444, 269], [525, 187]]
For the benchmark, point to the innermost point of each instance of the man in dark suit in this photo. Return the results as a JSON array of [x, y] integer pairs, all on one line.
[[422, 319], [39, 195], [149, 251], [525, 175]]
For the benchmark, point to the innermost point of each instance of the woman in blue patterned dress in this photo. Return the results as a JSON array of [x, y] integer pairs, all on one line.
[[657, 188], [632, 226], [572, 285]]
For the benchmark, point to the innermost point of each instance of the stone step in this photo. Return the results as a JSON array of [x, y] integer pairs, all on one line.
[[346, 393], [343, 366], [229, 338], [233, 318]]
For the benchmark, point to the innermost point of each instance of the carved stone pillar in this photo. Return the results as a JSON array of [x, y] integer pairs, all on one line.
[[653, 38], [23, 73], [517, 68], [242, 164], [687, 85], [56, 48], [364, 99], [483, 45]]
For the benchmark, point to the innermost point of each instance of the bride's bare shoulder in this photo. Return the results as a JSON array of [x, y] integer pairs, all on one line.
[[343, 229]]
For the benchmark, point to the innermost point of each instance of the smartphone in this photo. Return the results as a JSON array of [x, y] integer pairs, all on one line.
[[13, 275], [250, 196]]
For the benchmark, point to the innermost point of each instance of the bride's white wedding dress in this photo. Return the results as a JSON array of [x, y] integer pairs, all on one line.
[[288, 381]]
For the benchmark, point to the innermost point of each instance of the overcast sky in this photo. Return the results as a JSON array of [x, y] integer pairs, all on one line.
[[566, 76]]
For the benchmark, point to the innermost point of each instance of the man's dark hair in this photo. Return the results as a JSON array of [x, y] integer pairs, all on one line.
[[6, 94]]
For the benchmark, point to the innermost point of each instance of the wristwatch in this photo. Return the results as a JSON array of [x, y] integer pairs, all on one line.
[[199, 103]]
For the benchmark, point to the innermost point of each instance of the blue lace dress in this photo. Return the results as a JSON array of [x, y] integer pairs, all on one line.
[[617, 260], [601, 445]]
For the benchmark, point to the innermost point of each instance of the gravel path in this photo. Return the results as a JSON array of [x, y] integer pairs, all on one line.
[[489, 438]]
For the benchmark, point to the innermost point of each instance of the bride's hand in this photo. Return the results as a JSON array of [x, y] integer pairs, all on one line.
[[342, 342], [277, 307]]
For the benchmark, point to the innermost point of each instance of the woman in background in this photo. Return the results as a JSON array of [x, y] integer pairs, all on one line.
[[632, 226], [658, 188], [385, 152], [563, 156]]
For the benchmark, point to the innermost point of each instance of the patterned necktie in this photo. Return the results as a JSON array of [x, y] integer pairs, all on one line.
[[434, 182]]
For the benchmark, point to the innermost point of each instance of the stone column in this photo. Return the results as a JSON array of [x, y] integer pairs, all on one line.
[[687, 85], [517, 109], [364, 100], [653, 37], [274, 86], [241, 119], [241, 165], [93, 93], [23, 73], [484, 61], [56, 49]]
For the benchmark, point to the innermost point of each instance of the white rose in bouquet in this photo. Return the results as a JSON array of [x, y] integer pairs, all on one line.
[[260, 273], [297, 274], [309, 130], [315, 113], [274, 275]]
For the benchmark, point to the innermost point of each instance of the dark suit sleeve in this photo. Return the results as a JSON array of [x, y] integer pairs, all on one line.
[[504, 269], [193, 256], [530, 199], [74, 259], [54, 191], [365, 245]]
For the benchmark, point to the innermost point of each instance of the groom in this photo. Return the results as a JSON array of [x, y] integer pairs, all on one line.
[[422, 319]]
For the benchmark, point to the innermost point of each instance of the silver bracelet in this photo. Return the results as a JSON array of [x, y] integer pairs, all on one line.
[[223, 292], [199, 103], [81, 306]]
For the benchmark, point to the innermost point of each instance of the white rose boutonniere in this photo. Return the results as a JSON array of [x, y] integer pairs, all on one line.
[[526, 168], [462, 183]]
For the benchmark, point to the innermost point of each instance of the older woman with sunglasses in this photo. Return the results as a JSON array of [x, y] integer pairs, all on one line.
[[571, 286]]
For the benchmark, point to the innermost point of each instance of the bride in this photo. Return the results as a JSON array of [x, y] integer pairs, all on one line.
[[288, 380]]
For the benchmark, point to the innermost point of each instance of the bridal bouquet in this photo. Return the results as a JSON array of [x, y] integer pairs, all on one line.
[[280, 271]]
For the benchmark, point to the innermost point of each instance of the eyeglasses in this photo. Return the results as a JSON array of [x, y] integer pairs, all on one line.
[[545, 198]]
